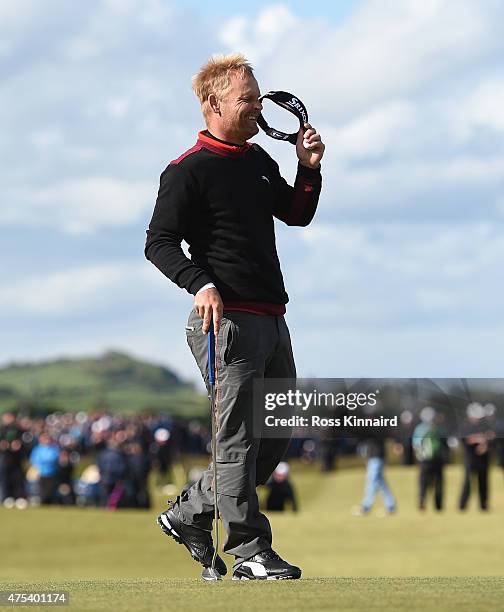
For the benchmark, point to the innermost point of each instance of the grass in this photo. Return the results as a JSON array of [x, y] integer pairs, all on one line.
[[121, 561], [412, 594]]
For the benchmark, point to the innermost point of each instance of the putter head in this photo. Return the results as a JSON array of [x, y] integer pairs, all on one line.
[[210, 574]]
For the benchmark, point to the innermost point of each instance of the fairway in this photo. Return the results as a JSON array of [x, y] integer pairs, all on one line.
[[410, 560]]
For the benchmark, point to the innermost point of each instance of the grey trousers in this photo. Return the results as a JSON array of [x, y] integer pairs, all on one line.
[[248, 347]]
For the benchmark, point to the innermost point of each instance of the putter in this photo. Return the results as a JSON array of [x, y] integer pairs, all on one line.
[[210, 573]]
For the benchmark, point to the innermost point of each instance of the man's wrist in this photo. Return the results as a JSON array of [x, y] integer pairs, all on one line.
[[308, 170], [205, 287]]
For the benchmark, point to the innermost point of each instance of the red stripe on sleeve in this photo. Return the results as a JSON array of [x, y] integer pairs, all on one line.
[[302, 195]]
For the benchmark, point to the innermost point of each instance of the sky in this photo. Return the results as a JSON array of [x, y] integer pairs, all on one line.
[[400, 272]]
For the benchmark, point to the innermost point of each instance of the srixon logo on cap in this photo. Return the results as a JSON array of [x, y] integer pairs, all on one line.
[[294, 102]]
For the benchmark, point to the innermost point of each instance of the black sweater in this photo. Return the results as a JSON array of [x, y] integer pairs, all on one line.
[[221, 200]]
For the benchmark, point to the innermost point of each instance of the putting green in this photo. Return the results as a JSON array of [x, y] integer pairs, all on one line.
[[411, 560], [412, 594]]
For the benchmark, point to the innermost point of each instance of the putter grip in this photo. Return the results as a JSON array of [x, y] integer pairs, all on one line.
[[211, 355]]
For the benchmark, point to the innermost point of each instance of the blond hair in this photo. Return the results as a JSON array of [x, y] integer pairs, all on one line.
[[215, 76]]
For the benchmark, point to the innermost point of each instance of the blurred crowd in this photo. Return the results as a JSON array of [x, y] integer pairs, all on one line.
[[100, 459], [91, 459], [429, 443]]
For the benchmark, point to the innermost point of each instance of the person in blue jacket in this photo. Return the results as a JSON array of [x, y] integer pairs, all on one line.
[[45, 458]]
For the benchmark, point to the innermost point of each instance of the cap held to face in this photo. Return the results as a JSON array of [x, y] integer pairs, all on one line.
[[293, 105]]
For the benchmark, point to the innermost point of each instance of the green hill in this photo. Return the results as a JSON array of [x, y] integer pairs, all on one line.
[[114, 381]]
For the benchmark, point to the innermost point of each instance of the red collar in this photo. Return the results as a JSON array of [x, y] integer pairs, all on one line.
[[221, 147]]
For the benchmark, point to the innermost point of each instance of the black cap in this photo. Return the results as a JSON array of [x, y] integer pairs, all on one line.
[[293, 105]]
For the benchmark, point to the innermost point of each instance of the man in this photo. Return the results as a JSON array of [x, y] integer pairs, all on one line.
[[114, 470], [477, 436], [12, 454], [280, 490], [431, 452], [45, 458], [221, 196], [373, 448]]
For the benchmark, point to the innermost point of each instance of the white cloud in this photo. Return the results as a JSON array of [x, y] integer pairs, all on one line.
[[82, 290], [11, 17], [378, 132], [261, 37], [82, 48], [396, 276], [47, 138], [108, 99], [118, 107], [480, 108], [429, 351], [83, 205]]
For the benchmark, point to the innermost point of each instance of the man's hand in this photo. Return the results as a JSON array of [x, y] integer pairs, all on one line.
[[309, 146], [208, 304]]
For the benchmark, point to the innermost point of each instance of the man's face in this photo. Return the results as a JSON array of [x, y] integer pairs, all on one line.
[[240, 108]]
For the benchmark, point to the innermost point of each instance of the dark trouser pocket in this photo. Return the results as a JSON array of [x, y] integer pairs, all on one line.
[[233, 478]]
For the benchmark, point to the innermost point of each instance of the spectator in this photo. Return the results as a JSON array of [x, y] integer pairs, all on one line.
[[476, 438], [374, 450], [44, 457], [12, 454], [138, 473], [161, 452], [404, 437], [281, 491], [328, 451], [113, 467], [429, 443], [66, 495]]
